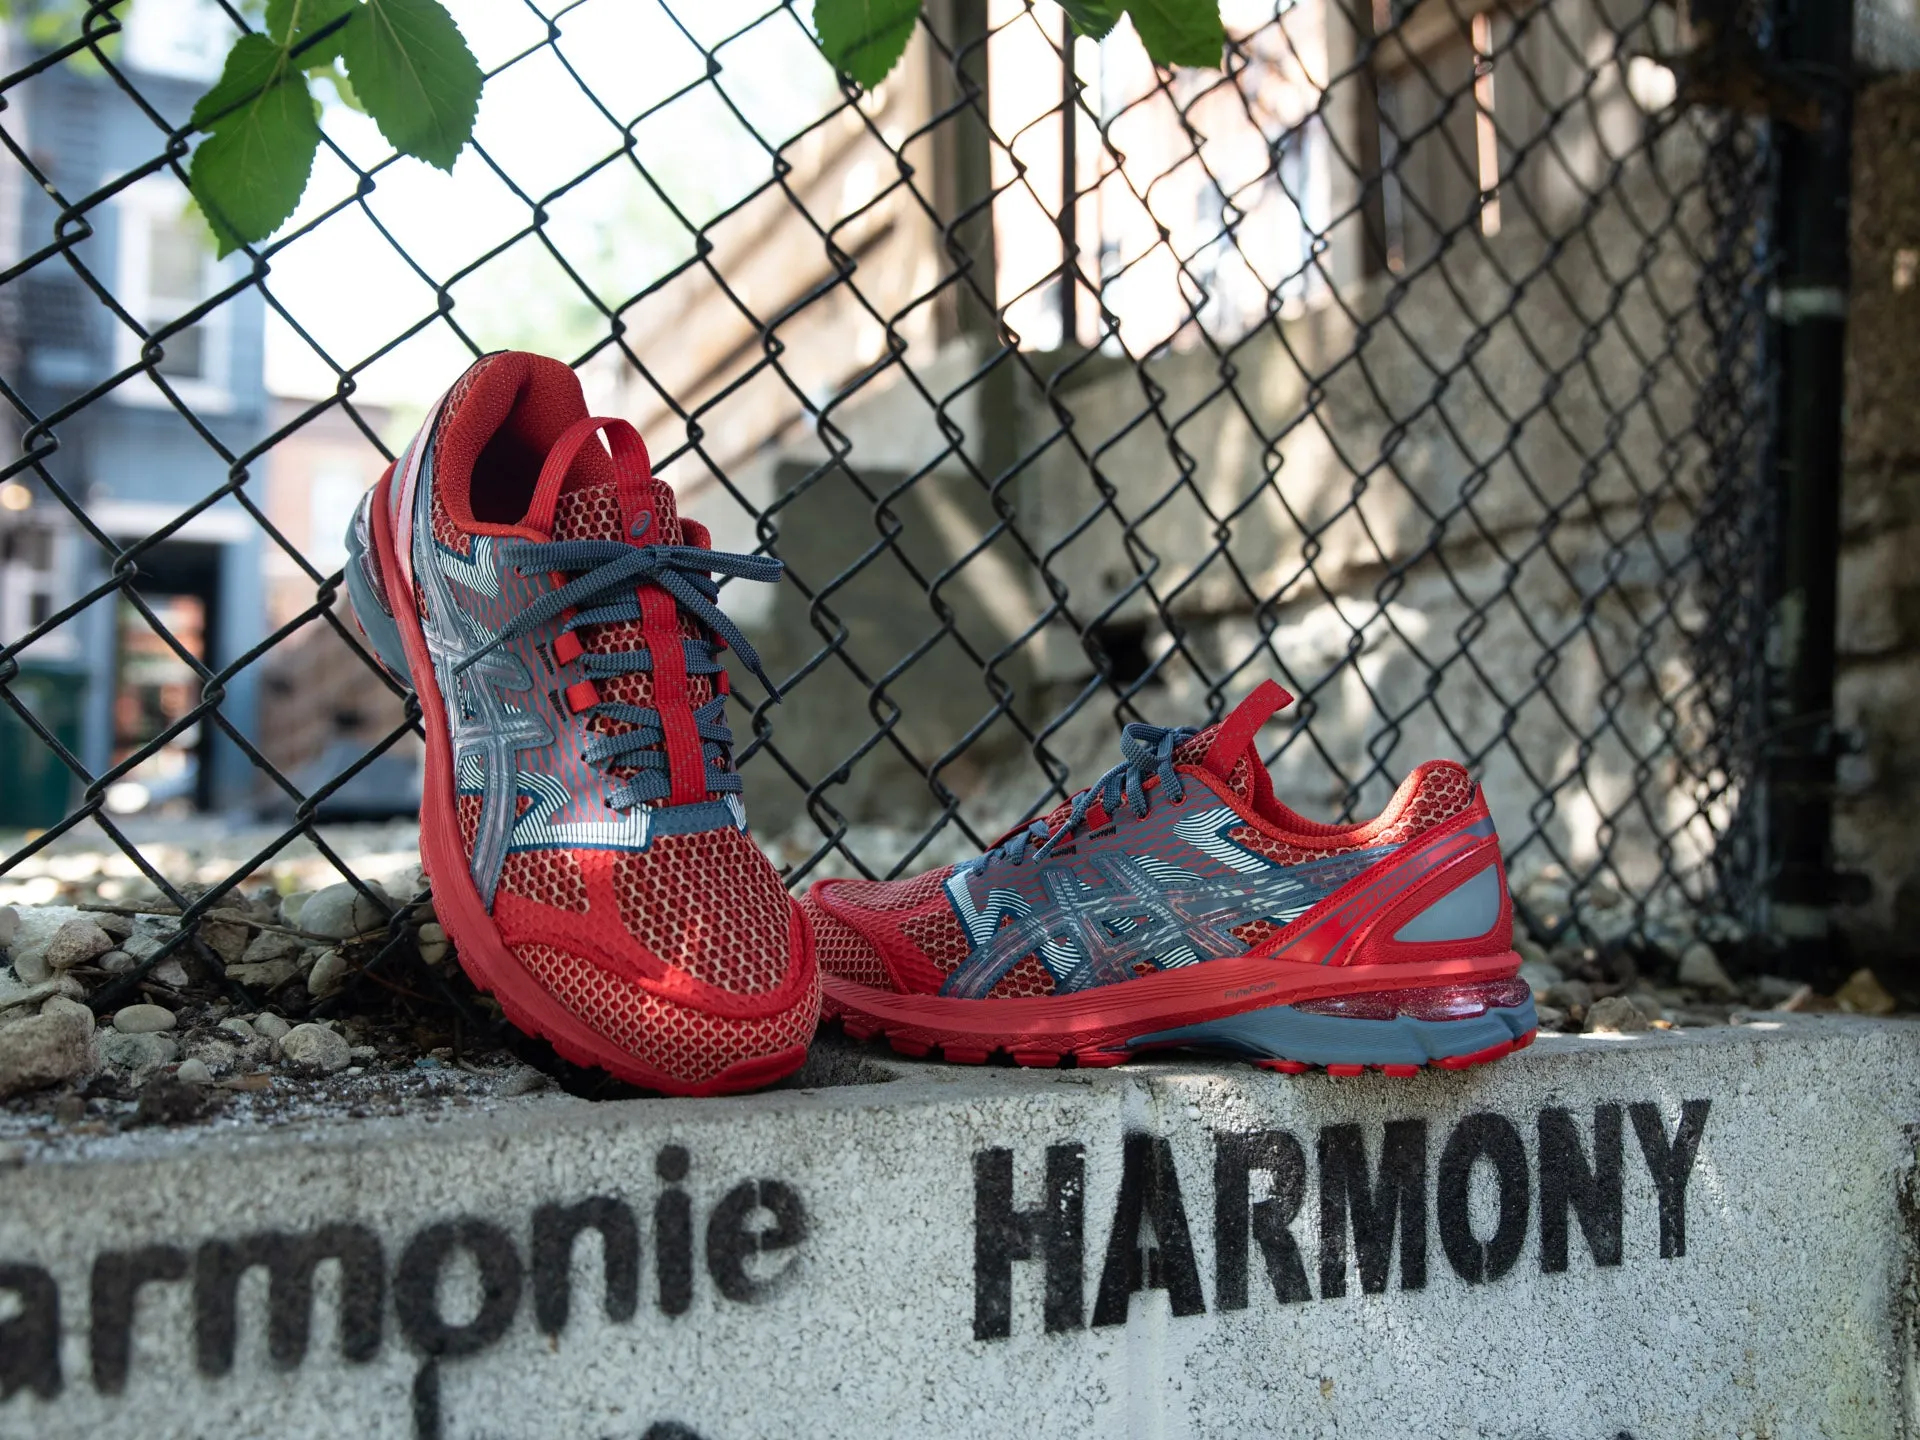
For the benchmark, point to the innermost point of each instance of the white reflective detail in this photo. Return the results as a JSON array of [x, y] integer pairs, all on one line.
[[536, 830], [1202, 831], [478, 574]]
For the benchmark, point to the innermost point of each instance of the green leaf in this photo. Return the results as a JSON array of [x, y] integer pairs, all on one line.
[[1179, 32], [415, 75], [865, 38], [1093, 18], [292, 22], [248, 174], [253, 64]]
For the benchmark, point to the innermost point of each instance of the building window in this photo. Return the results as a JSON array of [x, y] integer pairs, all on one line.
[[167, 268], [31, 585]]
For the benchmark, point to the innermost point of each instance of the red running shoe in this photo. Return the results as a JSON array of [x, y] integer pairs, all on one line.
[[1178, 903], [582, 821]]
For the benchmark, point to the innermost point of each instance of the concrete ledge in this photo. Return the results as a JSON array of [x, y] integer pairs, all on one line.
[[1661, 1235]]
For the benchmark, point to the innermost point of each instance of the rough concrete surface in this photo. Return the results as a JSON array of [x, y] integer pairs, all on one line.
[[843, 1260]]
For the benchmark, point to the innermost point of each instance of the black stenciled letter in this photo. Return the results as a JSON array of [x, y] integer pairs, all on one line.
[[290, 1261], [1592, 1191], [1054, 1232], [1235, 1157], [30, 1342], [117, 1278], [555, 1228], [416, 1286], [1149, 1186], [673, 1233], [1670, 1165], [1401, 1193], [730, 1240], [1493, 1138]]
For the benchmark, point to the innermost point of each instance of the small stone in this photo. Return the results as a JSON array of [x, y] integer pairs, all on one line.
[[362, 1054], [1569, 993], [9, 925], [1541, 976], [340, 912], [171, 972], [1701, 970], [45, 1050], [193, 1071], [138, 1053], [218, 1056], [31, 965], [63, 1005], [1549, 1017], [271, 945], [433, 945], [238, 1029], [316, 1048], [1648, 1005], [272, 1026], [329, 974], [144, 1020], [1863, 994], [143, 947], [167, 1100], [116, 962], [404, 885], [269, 976], [525, 1080], [226, 938], [14, 996], [1801, 997], [1615, 1014], [69, 1110], [118, 927], [291, 906]]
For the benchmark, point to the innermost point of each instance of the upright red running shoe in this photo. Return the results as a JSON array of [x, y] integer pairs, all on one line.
[[582, 821], [1177, 903]]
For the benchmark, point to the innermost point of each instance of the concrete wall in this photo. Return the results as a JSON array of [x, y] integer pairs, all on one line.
[[1648, 1236]]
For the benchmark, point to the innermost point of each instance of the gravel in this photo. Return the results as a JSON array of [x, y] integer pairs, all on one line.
[[77, 942], [193, 1071], [144, 1020], [50, 1048], [433, 944], [9, 925], [138, 1054], [1701, 969], [328, 975], [1615, 1014], [273, 1027], [340, 912], [316, 1049]]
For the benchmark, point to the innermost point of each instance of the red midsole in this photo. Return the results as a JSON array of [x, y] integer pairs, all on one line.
[[1155, 1002]]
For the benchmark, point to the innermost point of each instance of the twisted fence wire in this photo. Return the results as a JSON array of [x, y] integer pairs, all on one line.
[[1415, 358]]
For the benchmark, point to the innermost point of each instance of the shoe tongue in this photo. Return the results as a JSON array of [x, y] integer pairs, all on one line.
[[1230, 750], [592, 509]]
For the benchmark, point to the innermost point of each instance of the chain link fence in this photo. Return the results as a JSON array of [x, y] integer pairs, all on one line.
[[1416, 358]]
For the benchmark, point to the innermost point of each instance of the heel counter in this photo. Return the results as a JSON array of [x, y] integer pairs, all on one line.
[[1460, 907]]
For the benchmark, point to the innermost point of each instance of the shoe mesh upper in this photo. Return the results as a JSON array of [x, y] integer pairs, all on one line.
[[689, 1045]]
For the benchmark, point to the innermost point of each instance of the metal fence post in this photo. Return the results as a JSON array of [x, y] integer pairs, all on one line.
[[1815, 41]]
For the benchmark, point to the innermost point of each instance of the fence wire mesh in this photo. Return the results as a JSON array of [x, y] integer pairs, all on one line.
[[1414, 358]]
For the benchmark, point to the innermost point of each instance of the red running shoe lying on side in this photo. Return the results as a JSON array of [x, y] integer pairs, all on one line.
[[1178, 903], [582, 822]]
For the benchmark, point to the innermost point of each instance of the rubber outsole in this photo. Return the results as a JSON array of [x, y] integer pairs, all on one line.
[[527, 1007], [1281, 1038]]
